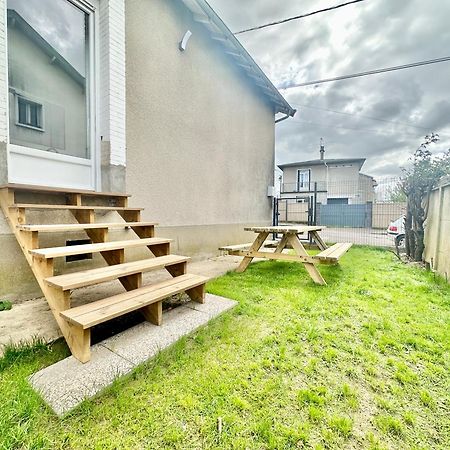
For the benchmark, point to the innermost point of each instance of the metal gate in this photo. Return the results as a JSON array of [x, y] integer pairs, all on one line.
[[291, 210]]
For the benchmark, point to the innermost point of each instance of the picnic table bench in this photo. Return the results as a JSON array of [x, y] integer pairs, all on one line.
[[291, 238]]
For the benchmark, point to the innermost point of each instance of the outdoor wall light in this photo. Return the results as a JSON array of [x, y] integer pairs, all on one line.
[[185, 40]]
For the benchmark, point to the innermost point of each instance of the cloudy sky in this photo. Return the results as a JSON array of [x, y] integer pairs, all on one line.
[[368, 35]]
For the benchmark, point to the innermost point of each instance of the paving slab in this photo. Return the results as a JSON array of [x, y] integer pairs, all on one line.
[[140, 343], [67, 383], [211, 308]]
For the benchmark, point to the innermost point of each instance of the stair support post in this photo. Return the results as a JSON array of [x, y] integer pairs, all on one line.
[[153, 313], [197, 294], [177, 270], [112, 257], [132, 282], [144, 232], [74, 199], [130, 216]]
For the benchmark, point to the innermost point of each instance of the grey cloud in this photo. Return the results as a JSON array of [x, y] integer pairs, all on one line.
[[382, 33], [439, 115]]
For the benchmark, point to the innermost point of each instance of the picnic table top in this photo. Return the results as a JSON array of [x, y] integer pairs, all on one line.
[[298, 229]]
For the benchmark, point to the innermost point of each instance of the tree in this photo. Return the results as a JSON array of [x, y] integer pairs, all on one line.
[[417, 184], [396, 194]]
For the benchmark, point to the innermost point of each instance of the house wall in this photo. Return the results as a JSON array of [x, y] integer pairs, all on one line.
[[340, 181], [437, 230], [366, 191], [200, 137], [347, 173], [200, 140]]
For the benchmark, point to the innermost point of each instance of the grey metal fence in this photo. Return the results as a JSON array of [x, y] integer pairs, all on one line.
[[363, 211]]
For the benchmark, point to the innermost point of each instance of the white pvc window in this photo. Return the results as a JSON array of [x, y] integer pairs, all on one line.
[[303, 179], [29, 113]]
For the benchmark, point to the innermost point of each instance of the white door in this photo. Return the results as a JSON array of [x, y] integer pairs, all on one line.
[[52, 133]]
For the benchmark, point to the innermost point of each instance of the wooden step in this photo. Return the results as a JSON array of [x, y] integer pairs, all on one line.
[[92, 314], [84, 226], [50, 190], [58, 252], [73, 207], [90, 277]]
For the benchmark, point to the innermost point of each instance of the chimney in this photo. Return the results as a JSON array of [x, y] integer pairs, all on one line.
[[322, 150]]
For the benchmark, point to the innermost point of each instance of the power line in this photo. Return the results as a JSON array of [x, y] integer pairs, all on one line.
[[260, 27], [339, 127], [363, 116], [370, 72]]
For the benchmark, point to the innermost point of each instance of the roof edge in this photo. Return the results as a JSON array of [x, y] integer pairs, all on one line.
[[214, 24], [316, 162]]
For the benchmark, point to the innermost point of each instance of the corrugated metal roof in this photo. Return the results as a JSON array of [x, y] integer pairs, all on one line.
[[204, 14]]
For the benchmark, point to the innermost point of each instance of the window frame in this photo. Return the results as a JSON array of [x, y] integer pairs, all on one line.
[[304, 185], [18, 96], [67, 171]]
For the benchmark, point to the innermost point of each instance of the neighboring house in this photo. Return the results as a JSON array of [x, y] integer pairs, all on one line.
[[100, 95], [336, 181]]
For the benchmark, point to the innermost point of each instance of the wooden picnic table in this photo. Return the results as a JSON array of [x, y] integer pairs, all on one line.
[[291, 238]]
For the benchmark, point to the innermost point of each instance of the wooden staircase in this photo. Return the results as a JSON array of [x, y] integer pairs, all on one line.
[[75, 323]]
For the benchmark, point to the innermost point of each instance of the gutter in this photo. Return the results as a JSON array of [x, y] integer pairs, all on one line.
[[288, 116]]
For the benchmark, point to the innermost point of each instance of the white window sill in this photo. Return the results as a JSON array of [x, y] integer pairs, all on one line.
[[30, 127]]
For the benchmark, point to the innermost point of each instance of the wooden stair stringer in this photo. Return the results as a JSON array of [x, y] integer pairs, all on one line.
[[41, 261], [130, 282], [98, 236], [57, 300]]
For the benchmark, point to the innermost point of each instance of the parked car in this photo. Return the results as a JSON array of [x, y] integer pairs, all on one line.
[[397, 230]]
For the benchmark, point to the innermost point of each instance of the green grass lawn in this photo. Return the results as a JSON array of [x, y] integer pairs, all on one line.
[[362, 363]]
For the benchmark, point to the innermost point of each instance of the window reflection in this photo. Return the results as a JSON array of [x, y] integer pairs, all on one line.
[[48, 67]]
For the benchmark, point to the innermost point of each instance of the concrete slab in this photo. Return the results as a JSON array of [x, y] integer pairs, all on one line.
[[212, 309], [144, 341], [67, 383]]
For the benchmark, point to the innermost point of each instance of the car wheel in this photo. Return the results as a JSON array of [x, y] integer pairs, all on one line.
[[400, 241]]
